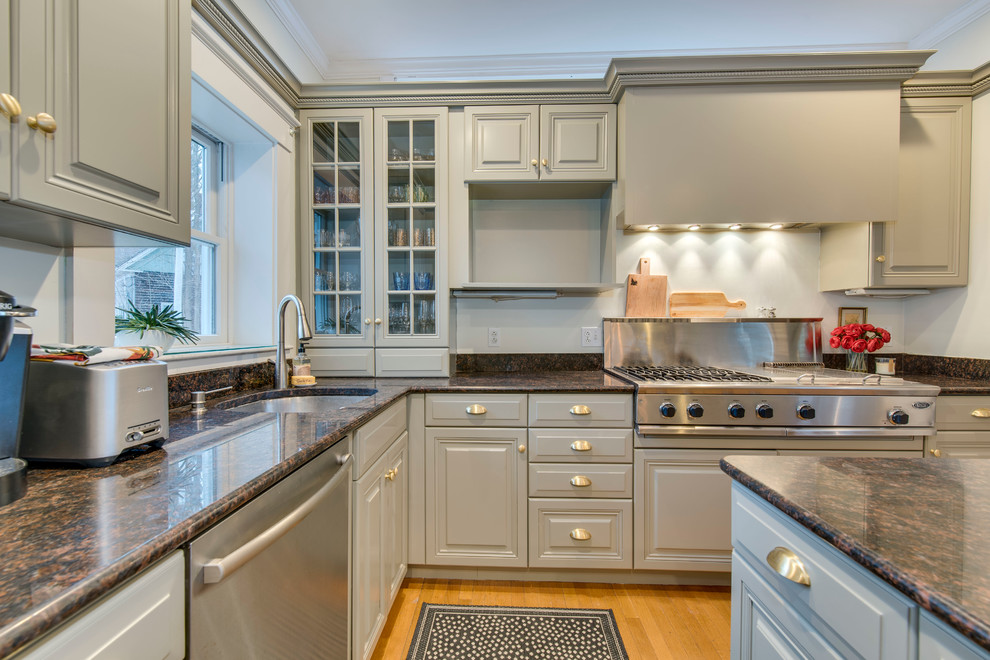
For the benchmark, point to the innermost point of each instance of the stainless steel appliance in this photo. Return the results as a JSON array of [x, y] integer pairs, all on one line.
[[91, 414], [755, 377], [270, 581], [15, 350]]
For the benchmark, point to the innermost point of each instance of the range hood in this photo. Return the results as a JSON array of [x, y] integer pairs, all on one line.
[[793, 139]]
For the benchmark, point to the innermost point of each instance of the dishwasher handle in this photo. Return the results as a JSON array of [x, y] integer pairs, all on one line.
[[217, 569]]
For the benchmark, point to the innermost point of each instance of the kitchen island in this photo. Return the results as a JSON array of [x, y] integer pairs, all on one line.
[[79, 533], [894, 537]]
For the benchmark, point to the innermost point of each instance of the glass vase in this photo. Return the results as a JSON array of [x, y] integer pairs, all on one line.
[[855, 361]]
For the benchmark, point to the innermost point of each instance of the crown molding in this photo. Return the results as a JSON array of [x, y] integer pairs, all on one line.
[[948, 83], [301, 34], [948, 26]]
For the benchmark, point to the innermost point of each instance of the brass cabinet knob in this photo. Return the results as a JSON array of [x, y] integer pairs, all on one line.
[[390, 475], [522, 449], [787, 564], [937, 453], [367, 321], [881, 258], [580, 481], [981, 412], [43, 122], [378, 321], [476, 409], [580, 534], [581, 445], [11, 109], [534, 162], [580, 410], [544, 162]]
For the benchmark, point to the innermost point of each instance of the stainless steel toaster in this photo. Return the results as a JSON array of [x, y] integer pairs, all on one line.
[[91, 414]]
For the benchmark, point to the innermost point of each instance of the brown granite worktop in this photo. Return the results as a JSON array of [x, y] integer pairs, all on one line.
[[921, 525], [952, 385], [80, 532]]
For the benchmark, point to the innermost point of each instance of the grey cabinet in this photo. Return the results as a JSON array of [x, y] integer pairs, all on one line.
[[102, 144], [937, 642], [8, 105], [928, 245], [962, 428]]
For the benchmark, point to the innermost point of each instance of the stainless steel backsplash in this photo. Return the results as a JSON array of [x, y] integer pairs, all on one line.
[[711, 342]]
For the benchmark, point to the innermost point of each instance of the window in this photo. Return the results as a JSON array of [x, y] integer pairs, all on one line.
[[190, 279]]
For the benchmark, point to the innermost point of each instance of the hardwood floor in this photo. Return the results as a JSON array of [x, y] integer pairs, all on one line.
[[659, 622]]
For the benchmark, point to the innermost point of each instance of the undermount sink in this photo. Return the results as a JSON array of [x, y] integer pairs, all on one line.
[[304, 402]]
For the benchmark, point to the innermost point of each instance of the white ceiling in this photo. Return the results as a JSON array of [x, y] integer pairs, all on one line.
[[323, 41]]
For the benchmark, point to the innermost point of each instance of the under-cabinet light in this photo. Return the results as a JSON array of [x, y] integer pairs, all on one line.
[[735, 227], [694, 227], [776, 225], [653, 228]]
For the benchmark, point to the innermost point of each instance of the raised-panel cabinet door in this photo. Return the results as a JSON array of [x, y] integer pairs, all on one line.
[[105, 90], [368, 608], [577, 143], [958, 444], [502, 143], [928, 245], [476, 497], [397, 518], [6, 121]]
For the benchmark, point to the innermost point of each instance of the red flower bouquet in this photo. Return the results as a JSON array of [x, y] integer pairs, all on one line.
[[859, 337]]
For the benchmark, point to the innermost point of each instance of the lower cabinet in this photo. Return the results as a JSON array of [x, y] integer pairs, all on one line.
[[381, 529], [476, 496], [963, 424], [937, 642], [144, 619]]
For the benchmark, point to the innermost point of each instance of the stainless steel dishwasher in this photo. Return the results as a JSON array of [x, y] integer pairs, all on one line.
[[271, 580]]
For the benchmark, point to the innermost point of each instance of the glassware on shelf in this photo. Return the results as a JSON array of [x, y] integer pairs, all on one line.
[[398, 317], [423, 281], [425, 316], [349, 281], [324, 280], [400, 281], [423, 237]]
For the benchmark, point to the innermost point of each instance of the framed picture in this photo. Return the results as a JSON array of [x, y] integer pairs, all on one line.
[[849, 315]]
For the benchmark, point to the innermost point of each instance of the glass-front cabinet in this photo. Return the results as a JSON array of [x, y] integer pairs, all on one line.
[[375, 189]]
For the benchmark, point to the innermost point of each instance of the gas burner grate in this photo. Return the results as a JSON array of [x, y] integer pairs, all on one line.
[[690, 373]]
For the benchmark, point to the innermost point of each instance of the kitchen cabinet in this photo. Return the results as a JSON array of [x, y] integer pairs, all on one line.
[[937, 642], [144, 619], [374, 254], [8, 106], [540, 143], [928, 245], [962, 426], [100, 150], [381, 527]]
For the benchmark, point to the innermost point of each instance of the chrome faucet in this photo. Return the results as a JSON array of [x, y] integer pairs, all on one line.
[[302, 332]]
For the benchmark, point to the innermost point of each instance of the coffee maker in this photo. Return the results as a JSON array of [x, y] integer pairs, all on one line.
[[15, 351]]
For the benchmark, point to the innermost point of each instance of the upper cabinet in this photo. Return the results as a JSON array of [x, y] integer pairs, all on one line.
[[9, 107], [540, 143], [928, 246], [99, 153]]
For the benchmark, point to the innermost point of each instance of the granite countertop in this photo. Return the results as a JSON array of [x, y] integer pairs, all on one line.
[[80, 532], [952, 385], [921, 525]]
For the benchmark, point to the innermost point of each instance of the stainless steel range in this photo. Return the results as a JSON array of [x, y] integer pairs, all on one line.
[[761, 375]]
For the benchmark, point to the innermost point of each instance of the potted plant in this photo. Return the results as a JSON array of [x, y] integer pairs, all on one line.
[[857, 338], [159, 326]]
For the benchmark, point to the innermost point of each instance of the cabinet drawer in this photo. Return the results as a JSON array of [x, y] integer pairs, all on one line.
[[570, 480], [959, 444], [486, 410], [580, 446], [580, 533], [580, 410], [962, 413], [371, 439], [842, 597]]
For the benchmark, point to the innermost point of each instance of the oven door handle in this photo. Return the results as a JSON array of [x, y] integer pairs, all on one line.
[[852, 431], [787, 431], [217, 569], [765, 431]]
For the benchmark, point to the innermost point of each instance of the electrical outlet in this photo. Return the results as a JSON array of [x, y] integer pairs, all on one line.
[[494, 337], [591, 336]]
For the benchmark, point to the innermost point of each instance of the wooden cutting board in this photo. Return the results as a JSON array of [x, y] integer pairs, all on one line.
[[685, 304], [646, 295]]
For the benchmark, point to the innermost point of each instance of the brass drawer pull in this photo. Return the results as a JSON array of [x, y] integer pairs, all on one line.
[[580, 534], [937, 453], [581, 445], [580, 481], [787, 564], [981, 412], [580, 410], [476, 409]]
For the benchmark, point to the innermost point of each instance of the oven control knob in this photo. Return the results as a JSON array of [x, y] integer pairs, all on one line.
[[737, 411], [695, 410], [897, 417], [805, 411], [667, 409], [764, 411]]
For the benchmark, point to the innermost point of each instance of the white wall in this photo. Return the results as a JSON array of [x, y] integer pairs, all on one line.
[[35, 276]]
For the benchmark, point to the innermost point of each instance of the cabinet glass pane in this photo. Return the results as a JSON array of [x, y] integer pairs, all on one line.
[[325, 314], [324, 232], [323, 185], [398, 315], [424, 271], [398, 228], [424, 315], [424, 185], [398, 140], [350, 315], [349, 229], [349, 181], [349, 147], [323, 142], [325, 275], [398, 185], [424, 227], [399, 275], [424, 140], [349, 271]]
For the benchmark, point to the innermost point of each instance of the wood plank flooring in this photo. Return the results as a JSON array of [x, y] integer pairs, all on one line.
[[662, 622]]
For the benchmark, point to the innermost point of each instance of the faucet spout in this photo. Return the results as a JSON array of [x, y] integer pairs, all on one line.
[[303, 333]]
